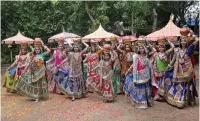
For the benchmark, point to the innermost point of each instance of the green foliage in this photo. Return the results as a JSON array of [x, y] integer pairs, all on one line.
[[45, 18]]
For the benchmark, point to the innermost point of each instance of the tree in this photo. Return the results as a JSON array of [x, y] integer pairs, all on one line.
[[178, 8]]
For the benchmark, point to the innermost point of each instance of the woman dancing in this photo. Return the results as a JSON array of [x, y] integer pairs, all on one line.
[[57, 75], [160, 63], [180, 80], [117, 81], [140, 84], [17, 68], [93, 58], [74, 86], [33, 82]]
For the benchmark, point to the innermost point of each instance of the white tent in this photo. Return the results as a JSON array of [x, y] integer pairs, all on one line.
[[99, 34], [67, 36], [170, 31], [18, 39]]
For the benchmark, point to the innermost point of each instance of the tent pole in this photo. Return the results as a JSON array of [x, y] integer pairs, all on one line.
[[11, 56]]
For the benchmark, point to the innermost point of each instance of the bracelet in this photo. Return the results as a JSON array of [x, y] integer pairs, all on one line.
[[169, 65]]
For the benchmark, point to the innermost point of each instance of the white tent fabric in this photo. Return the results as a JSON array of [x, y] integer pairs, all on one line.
[[99, 34], [18, 39], [170, 30], [68, 40], [68, 37]]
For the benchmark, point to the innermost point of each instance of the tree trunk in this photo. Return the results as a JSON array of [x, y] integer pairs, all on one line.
[[154, 20], [196, 27], [88, 12], [132, 20]]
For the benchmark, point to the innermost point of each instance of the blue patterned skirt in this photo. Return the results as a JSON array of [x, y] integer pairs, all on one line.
[[73, 87], [179, 94], [57, 79], [141, 94]]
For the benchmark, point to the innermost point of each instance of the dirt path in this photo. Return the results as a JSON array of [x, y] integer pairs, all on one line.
[[58, 108]]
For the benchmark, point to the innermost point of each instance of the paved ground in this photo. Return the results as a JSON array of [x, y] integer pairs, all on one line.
[[92, 108]]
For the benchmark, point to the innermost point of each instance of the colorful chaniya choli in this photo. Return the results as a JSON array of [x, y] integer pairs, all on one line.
[[117, 81], [93, 79], [160, 63], [139, 83], [12, 76], [22, 61], [106, 79], [180, 82], [85, 71], [127, 61], [61, 73], [33, 82], [74, 86]]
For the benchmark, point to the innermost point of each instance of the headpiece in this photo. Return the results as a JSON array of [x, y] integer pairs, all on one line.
[[37, 42], [61, 41], [106, 48], [113, 39], [141, 40], [161, 40], [77, 40], [24, 45], [93, 42], [184, 31], [127, 40]]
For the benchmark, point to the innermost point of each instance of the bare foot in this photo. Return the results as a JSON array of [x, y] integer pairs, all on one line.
[[73, 98]]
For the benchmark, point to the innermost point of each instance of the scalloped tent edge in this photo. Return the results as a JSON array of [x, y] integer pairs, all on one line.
[[18, 39], [67, 36]]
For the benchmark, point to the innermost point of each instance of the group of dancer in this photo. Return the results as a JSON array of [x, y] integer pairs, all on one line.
[[143, 72]]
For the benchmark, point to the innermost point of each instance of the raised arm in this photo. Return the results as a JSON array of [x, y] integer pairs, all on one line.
[[192, 47], [85, 60], [119, 49], [32, 49], [171, 47], [171, 64], [153, 50], [11, 66], [51, 59], [85, 50], [46, 48], [115, 55], [99, 46], [70, 45]]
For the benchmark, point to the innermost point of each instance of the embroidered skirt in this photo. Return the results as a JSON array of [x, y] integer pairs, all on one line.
[[116, 81], [107, 90], [179, 94], [10, 82], [57, 79], [73, 87], [34, 90], [141, 95]]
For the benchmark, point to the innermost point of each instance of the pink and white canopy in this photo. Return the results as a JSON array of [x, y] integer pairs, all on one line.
[[67, 36], [170, 31], [99, 34], [18, 39]]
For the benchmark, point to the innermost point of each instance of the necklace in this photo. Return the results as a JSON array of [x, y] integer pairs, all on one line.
[[181, 55], [142, 59]]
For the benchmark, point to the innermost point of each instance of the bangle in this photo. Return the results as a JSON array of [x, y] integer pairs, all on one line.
[[169, 65]]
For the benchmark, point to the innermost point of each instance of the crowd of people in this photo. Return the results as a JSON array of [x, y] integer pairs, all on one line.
[[144, 72]]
